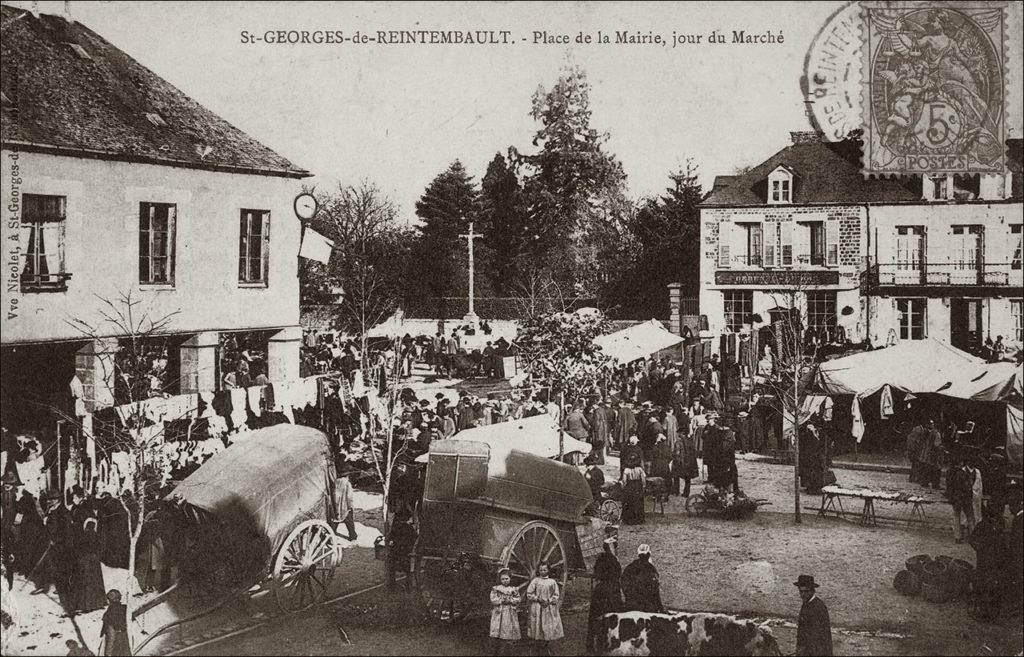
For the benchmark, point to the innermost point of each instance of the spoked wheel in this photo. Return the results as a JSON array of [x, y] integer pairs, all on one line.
[[696, 505], [611, 511], [535, 543], [305, 565]]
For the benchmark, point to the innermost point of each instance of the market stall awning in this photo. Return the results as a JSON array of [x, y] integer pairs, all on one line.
[[536, 435], [995, 382], [914, 365], [636, 342]]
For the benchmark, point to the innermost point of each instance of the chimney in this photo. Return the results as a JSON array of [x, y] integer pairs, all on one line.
[[805, 136]]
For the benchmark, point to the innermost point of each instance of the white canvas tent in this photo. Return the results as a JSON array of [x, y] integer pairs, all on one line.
[[536, 435], [914, 365], [929, 366], [638, 341]]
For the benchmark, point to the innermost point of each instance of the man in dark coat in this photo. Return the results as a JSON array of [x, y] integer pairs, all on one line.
[[625, 424], [640, 585], [988, 543], [595, 479], [814, 631], [1015, 550]]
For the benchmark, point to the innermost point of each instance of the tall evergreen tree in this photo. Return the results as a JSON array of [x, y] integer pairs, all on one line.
[[667, 231], [505, 224], [576, 189], [447, 206]]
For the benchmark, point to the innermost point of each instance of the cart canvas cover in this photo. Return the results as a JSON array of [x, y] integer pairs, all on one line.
[[265, 485]]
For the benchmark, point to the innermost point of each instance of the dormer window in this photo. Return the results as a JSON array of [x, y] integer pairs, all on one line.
[[780, 186]]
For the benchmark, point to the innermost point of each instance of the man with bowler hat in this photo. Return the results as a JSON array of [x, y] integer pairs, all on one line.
[[813, 632]]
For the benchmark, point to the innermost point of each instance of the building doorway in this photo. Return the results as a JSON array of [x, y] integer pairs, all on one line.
[[965, 324]]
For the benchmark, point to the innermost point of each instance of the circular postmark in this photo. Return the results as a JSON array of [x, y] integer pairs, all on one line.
[[832, 75]]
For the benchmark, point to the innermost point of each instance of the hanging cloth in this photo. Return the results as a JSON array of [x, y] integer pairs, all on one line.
[[886, 410], [857, 429]]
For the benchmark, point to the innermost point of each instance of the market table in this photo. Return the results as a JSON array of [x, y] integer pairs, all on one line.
[[831, 496]]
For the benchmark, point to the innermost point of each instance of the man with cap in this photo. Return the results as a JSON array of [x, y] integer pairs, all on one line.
[[813, 631], [640, 585], [595, 478]]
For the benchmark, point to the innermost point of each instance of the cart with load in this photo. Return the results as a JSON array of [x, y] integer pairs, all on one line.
[[485, 507], [266, 505]]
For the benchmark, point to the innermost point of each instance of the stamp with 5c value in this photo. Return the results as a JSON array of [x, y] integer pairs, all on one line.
[[934, 87]]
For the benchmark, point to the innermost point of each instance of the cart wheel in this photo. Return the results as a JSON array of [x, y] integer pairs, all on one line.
[[696, 505], [611, 511], [305, 565], [536, 542]]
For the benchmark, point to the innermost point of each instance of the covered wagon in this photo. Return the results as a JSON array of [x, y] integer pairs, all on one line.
[[265, 506], [488, 506]]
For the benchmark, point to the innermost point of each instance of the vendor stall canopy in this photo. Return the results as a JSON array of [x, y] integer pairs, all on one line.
[[637, 342], [914, 365]]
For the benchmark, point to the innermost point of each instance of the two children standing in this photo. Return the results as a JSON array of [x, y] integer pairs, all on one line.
[[544, 623]]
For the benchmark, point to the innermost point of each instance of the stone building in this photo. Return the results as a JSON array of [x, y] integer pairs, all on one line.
[[804, 228], [116, 183]]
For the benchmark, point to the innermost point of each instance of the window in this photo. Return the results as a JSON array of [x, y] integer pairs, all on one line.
[[1017, 311], [780, 191], [912, 315], [821, 312], [910, 247], [1017, 244], [938, 188], [156, 243], [750, 250], [739, 304], [42, 237], [967, 246], [817, 235], [253, 246]]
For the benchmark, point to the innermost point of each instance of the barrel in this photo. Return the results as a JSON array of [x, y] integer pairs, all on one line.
[[907, 582], [916, 564]]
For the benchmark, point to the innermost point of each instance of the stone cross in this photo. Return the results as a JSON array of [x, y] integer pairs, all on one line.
[[469, 237]]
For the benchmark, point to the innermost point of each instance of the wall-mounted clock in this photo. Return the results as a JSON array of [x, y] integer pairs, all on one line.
[[306, 206]]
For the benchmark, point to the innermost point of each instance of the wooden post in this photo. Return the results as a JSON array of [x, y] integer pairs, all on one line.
[[561, 431]]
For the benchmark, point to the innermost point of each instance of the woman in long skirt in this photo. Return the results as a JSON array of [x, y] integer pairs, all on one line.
[[115, 626], [634, 480], [90, 574], [545, 622]]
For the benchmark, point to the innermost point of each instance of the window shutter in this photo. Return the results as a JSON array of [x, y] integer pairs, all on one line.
[[802, 243], [265, 252], [172, 239], [786, 231], [771, 229], [832, 242], [724, 243]]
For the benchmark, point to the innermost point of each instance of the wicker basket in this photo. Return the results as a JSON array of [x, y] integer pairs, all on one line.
[[907, 582], [916, 564], [934, 573], [935, 592]]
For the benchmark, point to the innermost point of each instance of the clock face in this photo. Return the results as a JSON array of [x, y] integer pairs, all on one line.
[[305, 206]]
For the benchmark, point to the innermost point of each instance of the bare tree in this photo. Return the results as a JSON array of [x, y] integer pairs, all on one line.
[[793, 365], [539, 293], [129, 322], [368, 257]]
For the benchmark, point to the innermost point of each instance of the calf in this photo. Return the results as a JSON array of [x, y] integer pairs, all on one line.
[[646, 633]]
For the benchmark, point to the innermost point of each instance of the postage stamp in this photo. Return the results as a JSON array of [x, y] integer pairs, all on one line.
[[934, 87]]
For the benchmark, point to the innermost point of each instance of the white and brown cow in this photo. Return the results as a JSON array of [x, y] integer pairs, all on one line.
[[646, 633]]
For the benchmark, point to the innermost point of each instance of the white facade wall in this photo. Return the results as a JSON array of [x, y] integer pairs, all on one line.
[[1000, 283], [102, 246]]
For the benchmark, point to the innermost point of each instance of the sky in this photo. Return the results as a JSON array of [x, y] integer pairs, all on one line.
[[398, 115]]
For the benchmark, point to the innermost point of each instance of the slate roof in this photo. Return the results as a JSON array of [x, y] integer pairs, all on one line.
[[70, 91], [825, 173]]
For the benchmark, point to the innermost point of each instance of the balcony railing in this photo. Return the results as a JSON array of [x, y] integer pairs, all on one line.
[[45, 282], [998, 274]]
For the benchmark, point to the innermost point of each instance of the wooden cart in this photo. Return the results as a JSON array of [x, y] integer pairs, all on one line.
[[269, 500], [486, 508]]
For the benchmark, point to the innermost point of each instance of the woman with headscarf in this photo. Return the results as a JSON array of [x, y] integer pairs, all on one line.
[[661, 458], [114, 634], [606, 595], [634, 481], [89, 574]]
